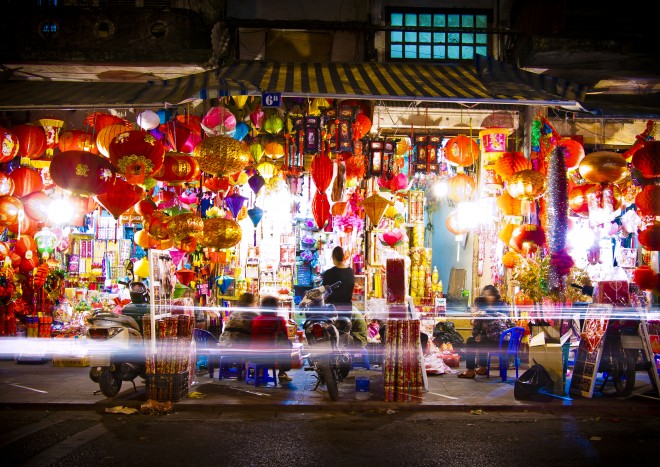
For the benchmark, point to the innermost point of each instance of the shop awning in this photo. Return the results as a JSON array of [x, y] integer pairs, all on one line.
[[484, 81]]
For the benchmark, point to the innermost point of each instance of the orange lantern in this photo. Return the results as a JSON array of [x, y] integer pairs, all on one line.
[[82, 172], [177, 169], [461, 151], [8, 145], [522, 299], [573, 152], [24, 225], [145, 207], [375, 206], [83, 205], [510, 163], [362, 126], [462, 187], [527, 238], [647, 159], [100, 120], [322, 171], [650, 236], [10, 209], [321, 209], [26, 181], [158, 226], [648, 200], [274, 150], [217, 184], [577, 199], [144, 240], [527, 185], [6, 185], [31, 140], [185, 276], [603, 167], [77, 140], [136, 154], [509, 205], [338, 208], [106, 135], [119, 197], [510, 259], [505, 233]]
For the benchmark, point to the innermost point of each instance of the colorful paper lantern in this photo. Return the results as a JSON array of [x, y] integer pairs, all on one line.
[[273, 124], [82, 172], [148, 120], [144, 240], [321, 209], [101, 120], [52, 127], [218, 121], [177, 169], [255, 214], [362, 126], [145, 207], [10, 209], [26, 180], [257, 151], [527, 185], [505, 233], [8, 145], [573, 152], [256, 183], [37, 205], [577, 199], [274, 150], [235, 202], [509, 205], [527, 238], [222, 155], [6, 185], [257, 117], [31, 140], [217, 184], [646, 278], [180, 137], [509, 163], [119, 197], [185, 276], [137, 155], [461, 151], [106, 135], [603, 167], [462, 187], [510, 259], [220, 232], [322, 171], [141, 268], [375, 206], [241, 131], [266, 169], [647, 159], [77, 140]]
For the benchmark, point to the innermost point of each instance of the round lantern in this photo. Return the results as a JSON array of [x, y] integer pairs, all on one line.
[[603, 167], [8, 145], [273, 124], [119, 197], [26, 181], [177, 169], [144, 240], [509, 205], [36, 205], [82, 172], [647, 159], [158, 226], [509, 163], [649, 237], [648, 200], [77, 140], [220, 233], [185, 225], [577, 199], [31, 140], [461, 188], [145, 207], [218, 121], [10, 209], [510, 259], [505, 233], [141, 267], [274, 150], [102, 120], [451, 222], [29, 262], [573, 152], [106, 135], [6, 185], [527, 185], [522, 299], [461, 151], [148, 120], [217, 184], [222, 155], [362, 126], [527, 238], [136, 154]]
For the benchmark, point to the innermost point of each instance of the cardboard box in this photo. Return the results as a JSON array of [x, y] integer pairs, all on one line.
[[551, 357]]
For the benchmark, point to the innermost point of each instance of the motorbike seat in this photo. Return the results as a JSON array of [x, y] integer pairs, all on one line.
[[108, 319]]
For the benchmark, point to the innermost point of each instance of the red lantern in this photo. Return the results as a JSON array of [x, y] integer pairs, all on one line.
[[31, 140], [119, 197], [647, 159], [145, 207], [29, 262], [522, 299], [82, 172], [106, 135], [577, 199], [157, 226], [509, 205], [510, 163], [646, 278], [321, 209], [83, 205], [177, 169], [10, 207], [217, 184], [573, 152], [78, 140], [648, 200], [8, 145], [6, 185], [25, 225], [180, 137], [362, 126], [137, 155], [650, 236], [461, 151], [26, 181], [527, 238], [100, 121], [36, 205], [322, 170], [462, 187]]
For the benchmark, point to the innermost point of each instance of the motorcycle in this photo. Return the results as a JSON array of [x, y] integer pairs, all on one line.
[[116, 350], [328, 337], [620, 354]]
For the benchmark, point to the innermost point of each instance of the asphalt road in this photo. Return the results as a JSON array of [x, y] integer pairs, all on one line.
[[82, 438]]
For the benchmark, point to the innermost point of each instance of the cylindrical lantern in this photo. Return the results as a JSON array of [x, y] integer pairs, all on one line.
[[177, 169], [31, 140], [52, 127]]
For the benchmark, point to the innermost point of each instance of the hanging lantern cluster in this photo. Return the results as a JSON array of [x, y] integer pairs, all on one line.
[[322, 172]]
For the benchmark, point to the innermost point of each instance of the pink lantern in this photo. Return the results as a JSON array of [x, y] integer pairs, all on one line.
[[257, 117], [218, 121]]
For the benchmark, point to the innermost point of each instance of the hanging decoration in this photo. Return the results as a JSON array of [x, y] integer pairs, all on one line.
[[573, 152], [257, 117], [647, 159], [321, 209], [510, 163], [375, 206], [256, 183], [255, 214], [462, 188], [222, 155], [527, 238], [6, 184], [107, 134], [235, 202], [428, 150], [648, 201], [603, 167], [81, 172], [119, 197], [8, 145], [649, 238], [557, 220], [218, 121], [77, 140], [273, 124], [220, 232], [527, 186], [461, 151], [147, 120], [31, 140], [177, 169], [26, 180], [52, 127], [137, 155]]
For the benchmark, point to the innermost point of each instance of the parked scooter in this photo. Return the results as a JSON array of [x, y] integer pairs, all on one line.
[[116, 350], [620, 354], [329, 356]]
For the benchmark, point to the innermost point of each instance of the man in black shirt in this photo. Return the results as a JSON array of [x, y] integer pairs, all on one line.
[[341, 297]]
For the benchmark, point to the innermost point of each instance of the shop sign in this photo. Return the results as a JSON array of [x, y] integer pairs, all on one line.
[[271, 99]]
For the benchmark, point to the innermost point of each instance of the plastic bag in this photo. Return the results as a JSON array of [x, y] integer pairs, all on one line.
[[529, 385], [445, 332]]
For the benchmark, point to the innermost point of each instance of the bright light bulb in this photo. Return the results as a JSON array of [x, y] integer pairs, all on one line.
[[441, 188], [60, 211], [581, 237]]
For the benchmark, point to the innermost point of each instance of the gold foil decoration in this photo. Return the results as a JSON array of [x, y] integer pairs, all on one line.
[[222, 155], [220, 233]]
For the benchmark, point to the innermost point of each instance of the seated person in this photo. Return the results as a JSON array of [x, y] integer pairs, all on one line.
[[238, 328], [487, 326], [269, 334], [358, 329]]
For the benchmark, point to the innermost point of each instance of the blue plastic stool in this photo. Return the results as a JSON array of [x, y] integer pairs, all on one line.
[[231, 367], [257, 374], [361, 359]]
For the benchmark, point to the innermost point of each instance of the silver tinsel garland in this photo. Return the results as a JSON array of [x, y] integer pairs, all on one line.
[[557, 212]]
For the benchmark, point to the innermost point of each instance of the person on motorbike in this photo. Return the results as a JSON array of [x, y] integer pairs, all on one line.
[[269, 334], [238, 329], [342, 297]]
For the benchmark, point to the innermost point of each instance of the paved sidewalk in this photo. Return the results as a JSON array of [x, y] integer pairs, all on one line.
[[47, 386]]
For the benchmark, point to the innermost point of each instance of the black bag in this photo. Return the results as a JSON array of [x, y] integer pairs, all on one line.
[[445, 332], [531, 382]]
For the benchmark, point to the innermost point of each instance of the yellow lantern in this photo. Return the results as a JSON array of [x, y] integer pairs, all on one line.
[[240, 101], [141, 267], [527, 185], [220, 233], [374, 207], [274, 150], [266, 169], [222, 155]]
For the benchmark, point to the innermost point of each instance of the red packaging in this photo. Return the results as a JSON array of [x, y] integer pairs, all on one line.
[[613, 292]]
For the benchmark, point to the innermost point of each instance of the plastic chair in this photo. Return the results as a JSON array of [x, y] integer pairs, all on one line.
[[207, 345], [512, 346]]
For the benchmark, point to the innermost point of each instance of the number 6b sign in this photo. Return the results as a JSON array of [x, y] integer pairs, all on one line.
[[271, 99]]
